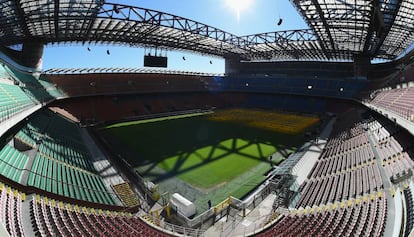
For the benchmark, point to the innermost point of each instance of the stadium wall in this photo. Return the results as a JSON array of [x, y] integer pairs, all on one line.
[[124, 83], [101, 109], [292, 68]]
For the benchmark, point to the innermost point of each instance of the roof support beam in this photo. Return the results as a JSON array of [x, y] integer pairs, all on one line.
[[56, 18], [368, 41], [93, 19], [327, 28], [387, 28], [340, 28], [21, 17]]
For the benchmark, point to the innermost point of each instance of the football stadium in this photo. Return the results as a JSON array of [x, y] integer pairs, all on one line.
[[307, 131]]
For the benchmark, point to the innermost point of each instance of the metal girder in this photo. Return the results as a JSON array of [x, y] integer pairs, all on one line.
[[64, 71], [92, 22], [384, 16], [109, 23], [373, 28], [292, 44], [12, 23], [21, 17], [401, 35], [56, 18], [340, 25], [318, 12], [281, 37], [152, 17], [327, 28], [370, 38], [340, 29]]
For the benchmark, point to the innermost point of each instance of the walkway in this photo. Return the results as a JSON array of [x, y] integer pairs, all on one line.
[[256, 219], [27, 221], [239, 226], [391, 211], [102, 164], [408, 125], [304, 166]]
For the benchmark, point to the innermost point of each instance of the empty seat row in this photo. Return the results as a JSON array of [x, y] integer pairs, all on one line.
[[61, 163], [39, 88], [66, 180], [343, 162], [12, 101], [363, 219], [399, 101], [63, 219], [409, 208], [342, 186], [11, 210], [12, 163]]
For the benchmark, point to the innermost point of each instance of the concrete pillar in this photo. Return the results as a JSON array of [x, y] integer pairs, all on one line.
[[362, 65], [232, 65], [32, 54]]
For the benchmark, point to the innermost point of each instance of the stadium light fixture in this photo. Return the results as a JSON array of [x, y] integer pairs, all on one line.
[[280, 21], [116, 9], [278, 10]]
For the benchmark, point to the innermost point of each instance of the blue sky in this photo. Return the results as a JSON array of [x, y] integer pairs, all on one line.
[[261, 16]]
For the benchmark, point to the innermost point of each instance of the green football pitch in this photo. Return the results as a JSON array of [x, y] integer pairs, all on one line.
[[200, 158]]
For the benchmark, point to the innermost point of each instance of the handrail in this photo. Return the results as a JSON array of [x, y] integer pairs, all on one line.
[[70, 71], [10, 62]]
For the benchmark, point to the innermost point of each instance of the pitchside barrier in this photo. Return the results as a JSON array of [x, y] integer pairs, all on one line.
[[156, 222], [197, 225], [209, 217], [222, 205]]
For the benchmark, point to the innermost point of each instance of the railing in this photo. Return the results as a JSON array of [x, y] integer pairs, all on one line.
[[65, 71], [209, 217], [256, 226], [11, 111], [10, 62], [172, 228]]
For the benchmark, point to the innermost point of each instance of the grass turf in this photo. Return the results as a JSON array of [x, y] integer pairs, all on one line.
[[217, 156], [217, 164]]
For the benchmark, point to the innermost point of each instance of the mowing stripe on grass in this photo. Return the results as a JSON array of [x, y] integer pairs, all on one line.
[[117, 125], [202, 158], [209, 166]]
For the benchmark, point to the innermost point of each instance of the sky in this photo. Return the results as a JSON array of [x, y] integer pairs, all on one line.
[[239, 17]]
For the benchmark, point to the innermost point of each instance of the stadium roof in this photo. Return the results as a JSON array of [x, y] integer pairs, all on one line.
[[339, 29], [66, 71], [375, 28]]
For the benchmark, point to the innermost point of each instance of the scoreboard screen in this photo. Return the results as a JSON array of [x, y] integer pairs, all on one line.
[[155, 61]]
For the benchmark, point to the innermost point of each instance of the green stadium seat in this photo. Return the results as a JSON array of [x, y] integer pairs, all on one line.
[[62, 164], [12, 163]]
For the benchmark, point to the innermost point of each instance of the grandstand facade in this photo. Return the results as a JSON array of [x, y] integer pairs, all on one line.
[[352, 177]]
